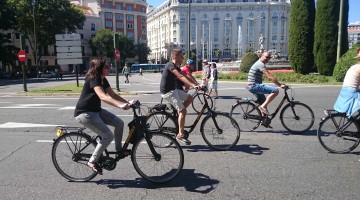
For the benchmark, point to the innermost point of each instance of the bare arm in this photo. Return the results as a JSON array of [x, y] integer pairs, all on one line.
[[272, 78], [109, 99]]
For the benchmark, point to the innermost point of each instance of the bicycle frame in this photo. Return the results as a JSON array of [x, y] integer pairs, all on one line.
[[273, 115]]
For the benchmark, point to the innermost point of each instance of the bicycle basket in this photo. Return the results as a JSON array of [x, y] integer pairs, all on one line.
[[138, 131]]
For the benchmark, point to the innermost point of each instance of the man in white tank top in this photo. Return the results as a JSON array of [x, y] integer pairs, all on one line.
[[348, 100]]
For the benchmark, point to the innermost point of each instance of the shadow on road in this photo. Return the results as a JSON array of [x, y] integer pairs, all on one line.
[[246, 148], [191, 181]]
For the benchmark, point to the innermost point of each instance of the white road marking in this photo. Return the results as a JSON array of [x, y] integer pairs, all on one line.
[[25, 125]]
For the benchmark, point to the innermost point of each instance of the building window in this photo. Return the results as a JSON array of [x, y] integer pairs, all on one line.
[[81, 26], [143, 19], [93, 27], [129, 18], [118, 6], [108, 15], [81, 36], [119, 16], [119, 25], [130, 35], [129, 7], [143, 10], [143, 27], [130, 26], [108, 24], [107, 5]]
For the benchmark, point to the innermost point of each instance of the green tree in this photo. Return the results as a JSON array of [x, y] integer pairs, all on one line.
[[142, 51], [127, 48], [326, 31], [247, 61], [301, 36], [104, 42], [51, 17], [7, 50]]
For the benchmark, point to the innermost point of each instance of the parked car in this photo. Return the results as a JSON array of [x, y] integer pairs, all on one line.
[[47, 75]]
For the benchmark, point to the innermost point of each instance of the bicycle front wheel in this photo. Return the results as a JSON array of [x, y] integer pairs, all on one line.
[[220, 131], [162, 168], [338, 134], [70, 154], [199, 102], [246, 114], [297, 117]]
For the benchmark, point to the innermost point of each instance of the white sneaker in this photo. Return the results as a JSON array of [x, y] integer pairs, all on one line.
[[264, 110]]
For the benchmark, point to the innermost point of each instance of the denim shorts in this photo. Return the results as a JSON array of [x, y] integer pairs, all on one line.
[[260, 89]]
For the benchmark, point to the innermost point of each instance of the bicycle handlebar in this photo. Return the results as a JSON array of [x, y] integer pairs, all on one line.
[[135, 104]]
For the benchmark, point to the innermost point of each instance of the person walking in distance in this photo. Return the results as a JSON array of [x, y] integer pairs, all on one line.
[[256, 86], [213, 83], [88, 110], [60, 73], [178, 98], [205, 73], [126, 72], [140, 71]]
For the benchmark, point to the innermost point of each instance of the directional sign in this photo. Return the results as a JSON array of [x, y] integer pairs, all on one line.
[[75, 43], [69, 61], [68, 47], [22, 56]]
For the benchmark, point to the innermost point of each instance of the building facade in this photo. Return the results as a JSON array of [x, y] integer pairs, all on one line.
[[231, 26], [354, 33]]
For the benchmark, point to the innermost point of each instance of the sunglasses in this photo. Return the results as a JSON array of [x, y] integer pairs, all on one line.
[[268, 57]]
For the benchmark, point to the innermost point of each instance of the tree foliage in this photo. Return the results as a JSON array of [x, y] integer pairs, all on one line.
[[345, 62], [326, 32], [104, 42], [51, 17], [247, 61], [301, 36], [344, 32], [142, 51]]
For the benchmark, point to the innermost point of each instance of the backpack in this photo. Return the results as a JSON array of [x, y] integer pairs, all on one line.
[[208, 72]]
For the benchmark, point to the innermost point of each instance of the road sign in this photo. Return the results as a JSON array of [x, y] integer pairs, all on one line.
[[22, 56], [117, 55], [70, 61], [68, 47]]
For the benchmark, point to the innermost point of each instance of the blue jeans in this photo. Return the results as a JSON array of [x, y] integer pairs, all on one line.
[[97, 122], [259, 90]]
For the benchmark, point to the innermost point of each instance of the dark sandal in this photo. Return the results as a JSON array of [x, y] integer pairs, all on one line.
[[96, 168]]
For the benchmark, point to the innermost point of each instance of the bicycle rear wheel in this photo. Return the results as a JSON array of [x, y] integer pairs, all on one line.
[[158, 169], [198, 102], [220, 131], [242, 113], [70, 154], [338, 134], [162, 122], [297, 117]]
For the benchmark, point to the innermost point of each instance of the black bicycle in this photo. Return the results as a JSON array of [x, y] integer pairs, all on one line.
[[152, 156], [295, 116], [219, 130], [198, 101], [339, 133]]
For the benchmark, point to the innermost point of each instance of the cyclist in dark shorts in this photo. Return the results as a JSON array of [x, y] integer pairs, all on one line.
[[170, 92]]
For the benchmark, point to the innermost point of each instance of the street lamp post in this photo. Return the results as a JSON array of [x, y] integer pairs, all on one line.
[[35, 53], [189, 29]]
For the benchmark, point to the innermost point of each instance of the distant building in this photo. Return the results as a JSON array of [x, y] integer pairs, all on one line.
[[354, 33], [214, 25]]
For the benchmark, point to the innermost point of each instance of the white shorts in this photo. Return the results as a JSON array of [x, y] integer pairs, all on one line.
[[176, 98]]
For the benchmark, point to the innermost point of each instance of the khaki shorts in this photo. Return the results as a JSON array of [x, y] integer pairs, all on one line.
[[176, 98]]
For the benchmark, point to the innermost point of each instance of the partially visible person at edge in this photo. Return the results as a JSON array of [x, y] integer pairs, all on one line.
[[126, 71], [256, 86], [205, 73], [213, 80], [187, 70], [88, 110], [348, 100], [169, 91]]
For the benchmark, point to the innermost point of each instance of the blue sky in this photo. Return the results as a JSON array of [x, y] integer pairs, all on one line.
[[354, 14]]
